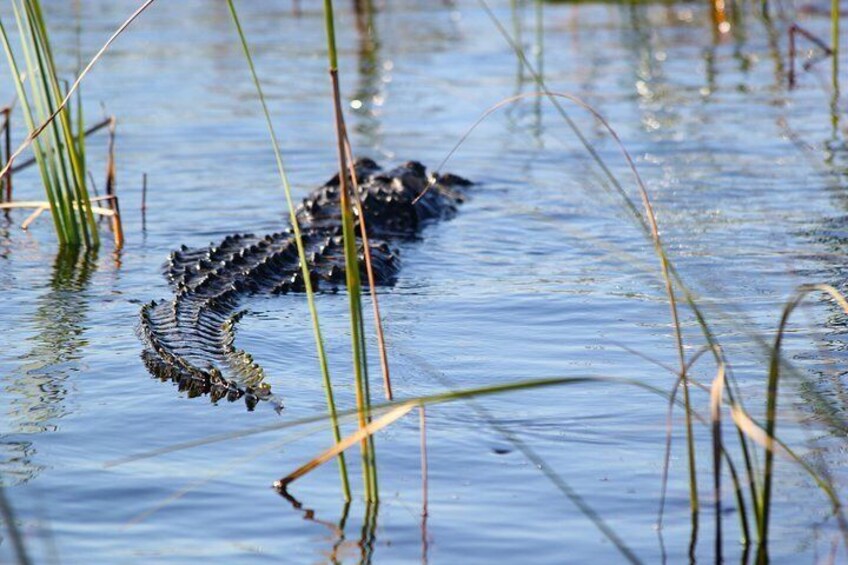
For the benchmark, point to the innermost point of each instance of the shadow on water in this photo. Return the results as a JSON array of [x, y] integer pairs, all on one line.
[[38, 389], [340, 545]]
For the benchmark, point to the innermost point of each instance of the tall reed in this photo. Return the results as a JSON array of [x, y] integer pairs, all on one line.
[[304, 265], [352, 278], [5, 153], [834, 45], [61, 153]]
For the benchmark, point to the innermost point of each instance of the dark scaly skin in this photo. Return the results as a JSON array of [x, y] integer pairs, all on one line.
[[189, 339]]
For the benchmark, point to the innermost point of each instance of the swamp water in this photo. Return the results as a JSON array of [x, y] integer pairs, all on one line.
[[540, 274]]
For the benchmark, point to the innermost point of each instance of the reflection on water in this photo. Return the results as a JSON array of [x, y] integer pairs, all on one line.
[[533, 50], [373, 73], [38, 388], [341, 549]]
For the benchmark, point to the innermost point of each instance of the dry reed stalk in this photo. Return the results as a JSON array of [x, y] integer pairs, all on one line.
[[358, 436], [352, 279], [32, 217], [117, 223], [112, 198], [7, 138], [110, 160], [44, 204], [369, 271], [715, 418]]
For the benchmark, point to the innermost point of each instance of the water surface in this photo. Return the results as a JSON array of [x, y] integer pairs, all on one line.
[[542, 273]]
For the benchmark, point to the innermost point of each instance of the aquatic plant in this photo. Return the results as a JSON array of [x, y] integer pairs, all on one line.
[[307, 279], [347, 184], [353, 282], [60, 154], [747, 430]]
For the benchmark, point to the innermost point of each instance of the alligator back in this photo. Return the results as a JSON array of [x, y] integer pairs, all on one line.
[[189, 339]]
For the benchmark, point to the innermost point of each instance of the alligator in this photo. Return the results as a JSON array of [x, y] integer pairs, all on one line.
[[189, 339]]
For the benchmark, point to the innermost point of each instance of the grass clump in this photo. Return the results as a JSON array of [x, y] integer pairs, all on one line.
[[304, 265], [60, 154]]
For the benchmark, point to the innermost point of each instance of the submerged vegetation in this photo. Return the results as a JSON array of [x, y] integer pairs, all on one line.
[[742, 463]]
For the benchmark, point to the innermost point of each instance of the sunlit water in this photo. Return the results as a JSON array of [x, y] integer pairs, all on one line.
[[542, 273]]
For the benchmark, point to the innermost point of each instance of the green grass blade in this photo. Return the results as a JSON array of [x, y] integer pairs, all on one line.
[[37, 146], [87, 224], [352, 278], [307, 280]]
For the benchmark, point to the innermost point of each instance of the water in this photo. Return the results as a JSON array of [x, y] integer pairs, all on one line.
[[540, 274]]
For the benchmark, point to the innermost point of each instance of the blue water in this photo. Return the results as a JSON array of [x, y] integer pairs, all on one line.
[[541, 274]]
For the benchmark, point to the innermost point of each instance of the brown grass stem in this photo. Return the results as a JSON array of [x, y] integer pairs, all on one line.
[[354, 285], [718, 447], [369, 271], [357, 437], [117, 224]]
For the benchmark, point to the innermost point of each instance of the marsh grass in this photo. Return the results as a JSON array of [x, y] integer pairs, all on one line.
[[60, 154], [647, 222], [304, 266], [747, 430], [352, 278]]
